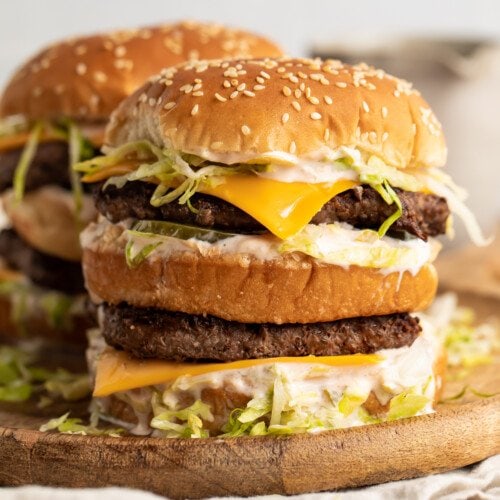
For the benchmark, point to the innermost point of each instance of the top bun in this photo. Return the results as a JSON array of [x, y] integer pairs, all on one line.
[[85, 78], [233, 111]]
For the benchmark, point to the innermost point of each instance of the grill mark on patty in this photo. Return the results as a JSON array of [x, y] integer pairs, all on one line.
[[42, 269], [160, 334], [424, 215]]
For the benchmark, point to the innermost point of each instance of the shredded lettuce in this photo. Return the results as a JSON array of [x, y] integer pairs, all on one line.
[[56, 306], [25, 160], [186, 423], [13, 124], [441, 184], [177, 179], [135, 257], [351, 401], [138, 248], [407, 404], [393, 199], [468, 344], [66, 425], [20, 379], [340, 244]]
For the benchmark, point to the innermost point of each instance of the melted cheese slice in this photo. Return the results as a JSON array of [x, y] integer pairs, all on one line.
[[19, 140], [117, 371], [284, 208], [16, 141]]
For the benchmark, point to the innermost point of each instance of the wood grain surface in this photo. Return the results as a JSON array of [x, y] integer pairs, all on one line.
[[461, 432]]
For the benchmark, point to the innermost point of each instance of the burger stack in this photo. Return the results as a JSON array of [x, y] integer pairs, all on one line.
[[266, 233]]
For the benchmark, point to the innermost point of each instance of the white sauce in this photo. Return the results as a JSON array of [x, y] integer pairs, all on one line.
[[337, 244]]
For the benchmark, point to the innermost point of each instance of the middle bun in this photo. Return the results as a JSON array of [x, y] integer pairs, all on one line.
[[238, 287]]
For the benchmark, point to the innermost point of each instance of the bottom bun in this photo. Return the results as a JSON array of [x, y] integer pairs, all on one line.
[[52, 316], [279, 397]]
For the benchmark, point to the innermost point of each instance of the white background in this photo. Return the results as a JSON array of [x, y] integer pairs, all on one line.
[[26, 24]]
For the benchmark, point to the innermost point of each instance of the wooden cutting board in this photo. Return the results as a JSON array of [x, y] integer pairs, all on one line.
[[459, 433]]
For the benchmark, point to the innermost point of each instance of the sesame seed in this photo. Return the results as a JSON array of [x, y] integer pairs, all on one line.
[[220, 98], [293, 147], [265, 75], [308, 92], [341, 85], [226, 84], [325, 81], [296, 106], [169, 105], [302, 75], [281, 70], [235, 82], [195, 109], [297, 93], [326, 135], [260, 80], [385, 136], [313, 100], [120, 51], [241, 87], [80, 50], [249, 93], [197, 86], [259, 87], [198, 93], [384, 112], [81, 68], [284, 118], [233, 94], [152, 101], [287, 91], [100, 77], [366, 107], [293, 79], [328, 99], [315, 76], [245, 129], [372, 136], [315, 116]]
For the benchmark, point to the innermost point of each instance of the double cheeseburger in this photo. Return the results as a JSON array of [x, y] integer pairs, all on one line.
[[52, 114], [267, 228]]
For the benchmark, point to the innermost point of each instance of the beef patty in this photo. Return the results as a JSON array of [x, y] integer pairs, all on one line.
[[424, 215], [159, 334], [50, 165], [42, 269]]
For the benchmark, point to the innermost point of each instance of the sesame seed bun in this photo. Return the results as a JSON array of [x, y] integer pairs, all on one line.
[[232, 111], [240, 287], [85, 78]]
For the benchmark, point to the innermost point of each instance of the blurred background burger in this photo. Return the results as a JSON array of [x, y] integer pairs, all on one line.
[[52, 114]]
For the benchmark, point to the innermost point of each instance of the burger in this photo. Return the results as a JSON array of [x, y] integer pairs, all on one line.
[[267, 228], [52, 114]]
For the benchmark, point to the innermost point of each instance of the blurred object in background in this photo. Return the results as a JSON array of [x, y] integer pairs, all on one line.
[[460, 78]]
